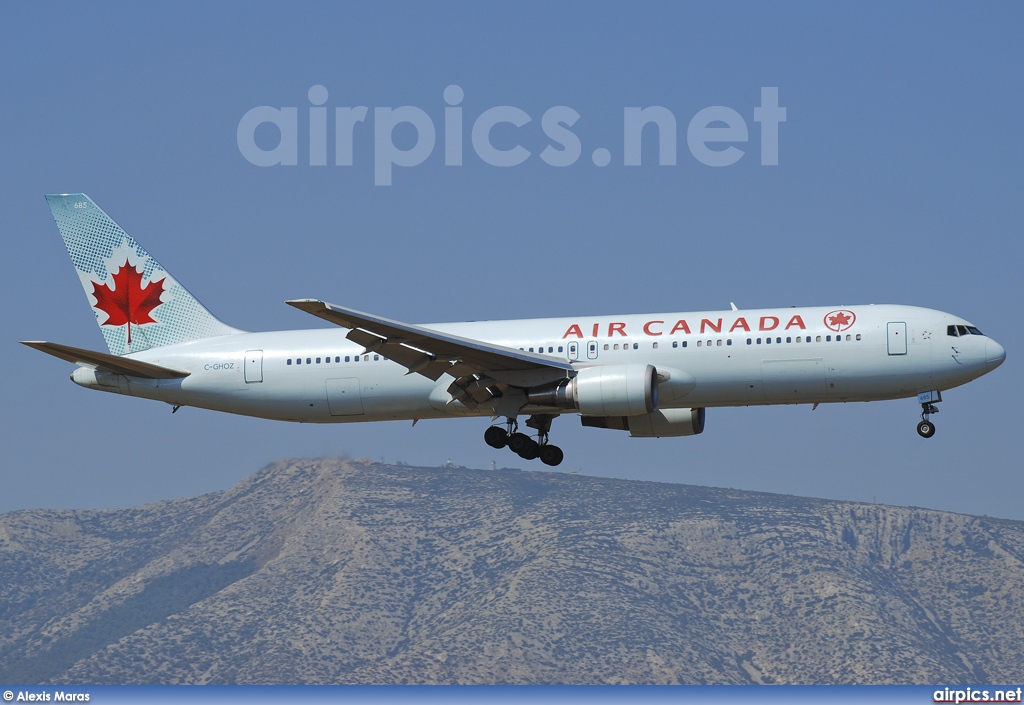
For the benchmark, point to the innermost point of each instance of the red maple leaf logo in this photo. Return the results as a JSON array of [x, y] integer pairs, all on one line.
[[128, 302], [840, 320]]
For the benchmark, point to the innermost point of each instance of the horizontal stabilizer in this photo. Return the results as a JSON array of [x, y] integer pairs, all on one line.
[[105, 361]]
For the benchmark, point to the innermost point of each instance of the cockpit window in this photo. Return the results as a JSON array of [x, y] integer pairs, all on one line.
[[957, 331]]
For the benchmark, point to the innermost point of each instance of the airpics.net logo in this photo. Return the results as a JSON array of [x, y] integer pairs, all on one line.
[[712, 134]]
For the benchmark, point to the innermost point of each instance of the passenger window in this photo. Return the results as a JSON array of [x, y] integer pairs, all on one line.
[[768, 341], [749, 341], [347, 359], [559, 348], [308, 361], [337, 358], [828, 338], [615, 347], [289, 361], [718, 342], [817, 339], [847, 336], [675, 343], [531, 349], [778, 340], [366, 358], [729, 341], [758, 341], [789, 340], [684, 343], [636, 346], [606, 346], [654, 345], [698, 343], [376, 357], [858, 336]]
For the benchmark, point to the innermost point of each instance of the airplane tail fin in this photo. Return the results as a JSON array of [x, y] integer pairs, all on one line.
[[137, 303]]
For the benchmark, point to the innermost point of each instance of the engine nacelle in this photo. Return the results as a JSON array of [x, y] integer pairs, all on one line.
[[659, 424], [611, 390], [605, 390]]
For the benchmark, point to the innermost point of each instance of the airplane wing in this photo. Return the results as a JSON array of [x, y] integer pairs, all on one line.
[[481, 370], [105, 361]]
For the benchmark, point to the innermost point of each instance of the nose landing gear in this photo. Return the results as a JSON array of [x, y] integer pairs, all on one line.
[[926, 429], [521, 444]]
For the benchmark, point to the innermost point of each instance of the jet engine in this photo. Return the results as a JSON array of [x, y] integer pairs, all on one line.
[[658, 424], [605, 390]]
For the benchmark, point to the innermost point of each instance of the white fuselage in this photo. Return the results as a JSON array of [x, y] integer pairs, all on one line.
[[716, 358]]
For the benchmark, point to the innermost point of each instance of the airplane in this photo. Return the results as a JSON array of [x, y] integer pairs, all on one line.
[[653, 375]]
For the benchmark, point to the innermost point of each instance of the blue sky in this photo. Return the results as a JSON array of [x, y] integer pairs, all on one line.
[[901, 165]]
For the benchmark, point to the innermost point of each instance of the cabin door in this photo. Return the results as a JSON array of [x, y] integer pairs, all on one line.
[[897, 338], [253, 366]]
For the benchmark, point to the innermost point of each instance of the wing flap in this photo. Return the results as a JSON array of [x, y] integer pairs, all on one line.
[[105, 361], [416, 361]]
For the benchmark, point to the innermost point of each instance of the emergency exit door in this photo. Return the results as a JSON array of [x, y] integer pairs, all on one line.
[[897, 338]]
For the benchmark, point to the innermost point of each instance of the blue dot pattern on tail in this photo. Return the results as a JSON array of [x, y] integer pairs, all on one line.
[[99, 248]]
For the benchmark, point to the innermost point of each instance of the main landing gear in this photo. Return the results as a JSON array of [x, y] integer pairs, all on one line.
[[521, 444], [926, 429]]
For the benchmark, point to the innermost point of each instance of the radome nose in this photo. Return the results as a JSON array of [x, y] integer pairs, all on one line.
[[994, 354]]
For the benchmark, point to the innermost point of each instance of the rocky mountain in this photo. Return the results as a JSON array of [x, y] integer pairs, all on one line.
[[338, 571]]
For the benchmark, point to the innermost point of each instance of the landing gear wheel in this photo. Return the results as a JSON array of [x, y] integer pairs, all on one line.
[[518, 442], [523, 445], [496, 437], [551, 455], [926, 429], [531, 451]]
